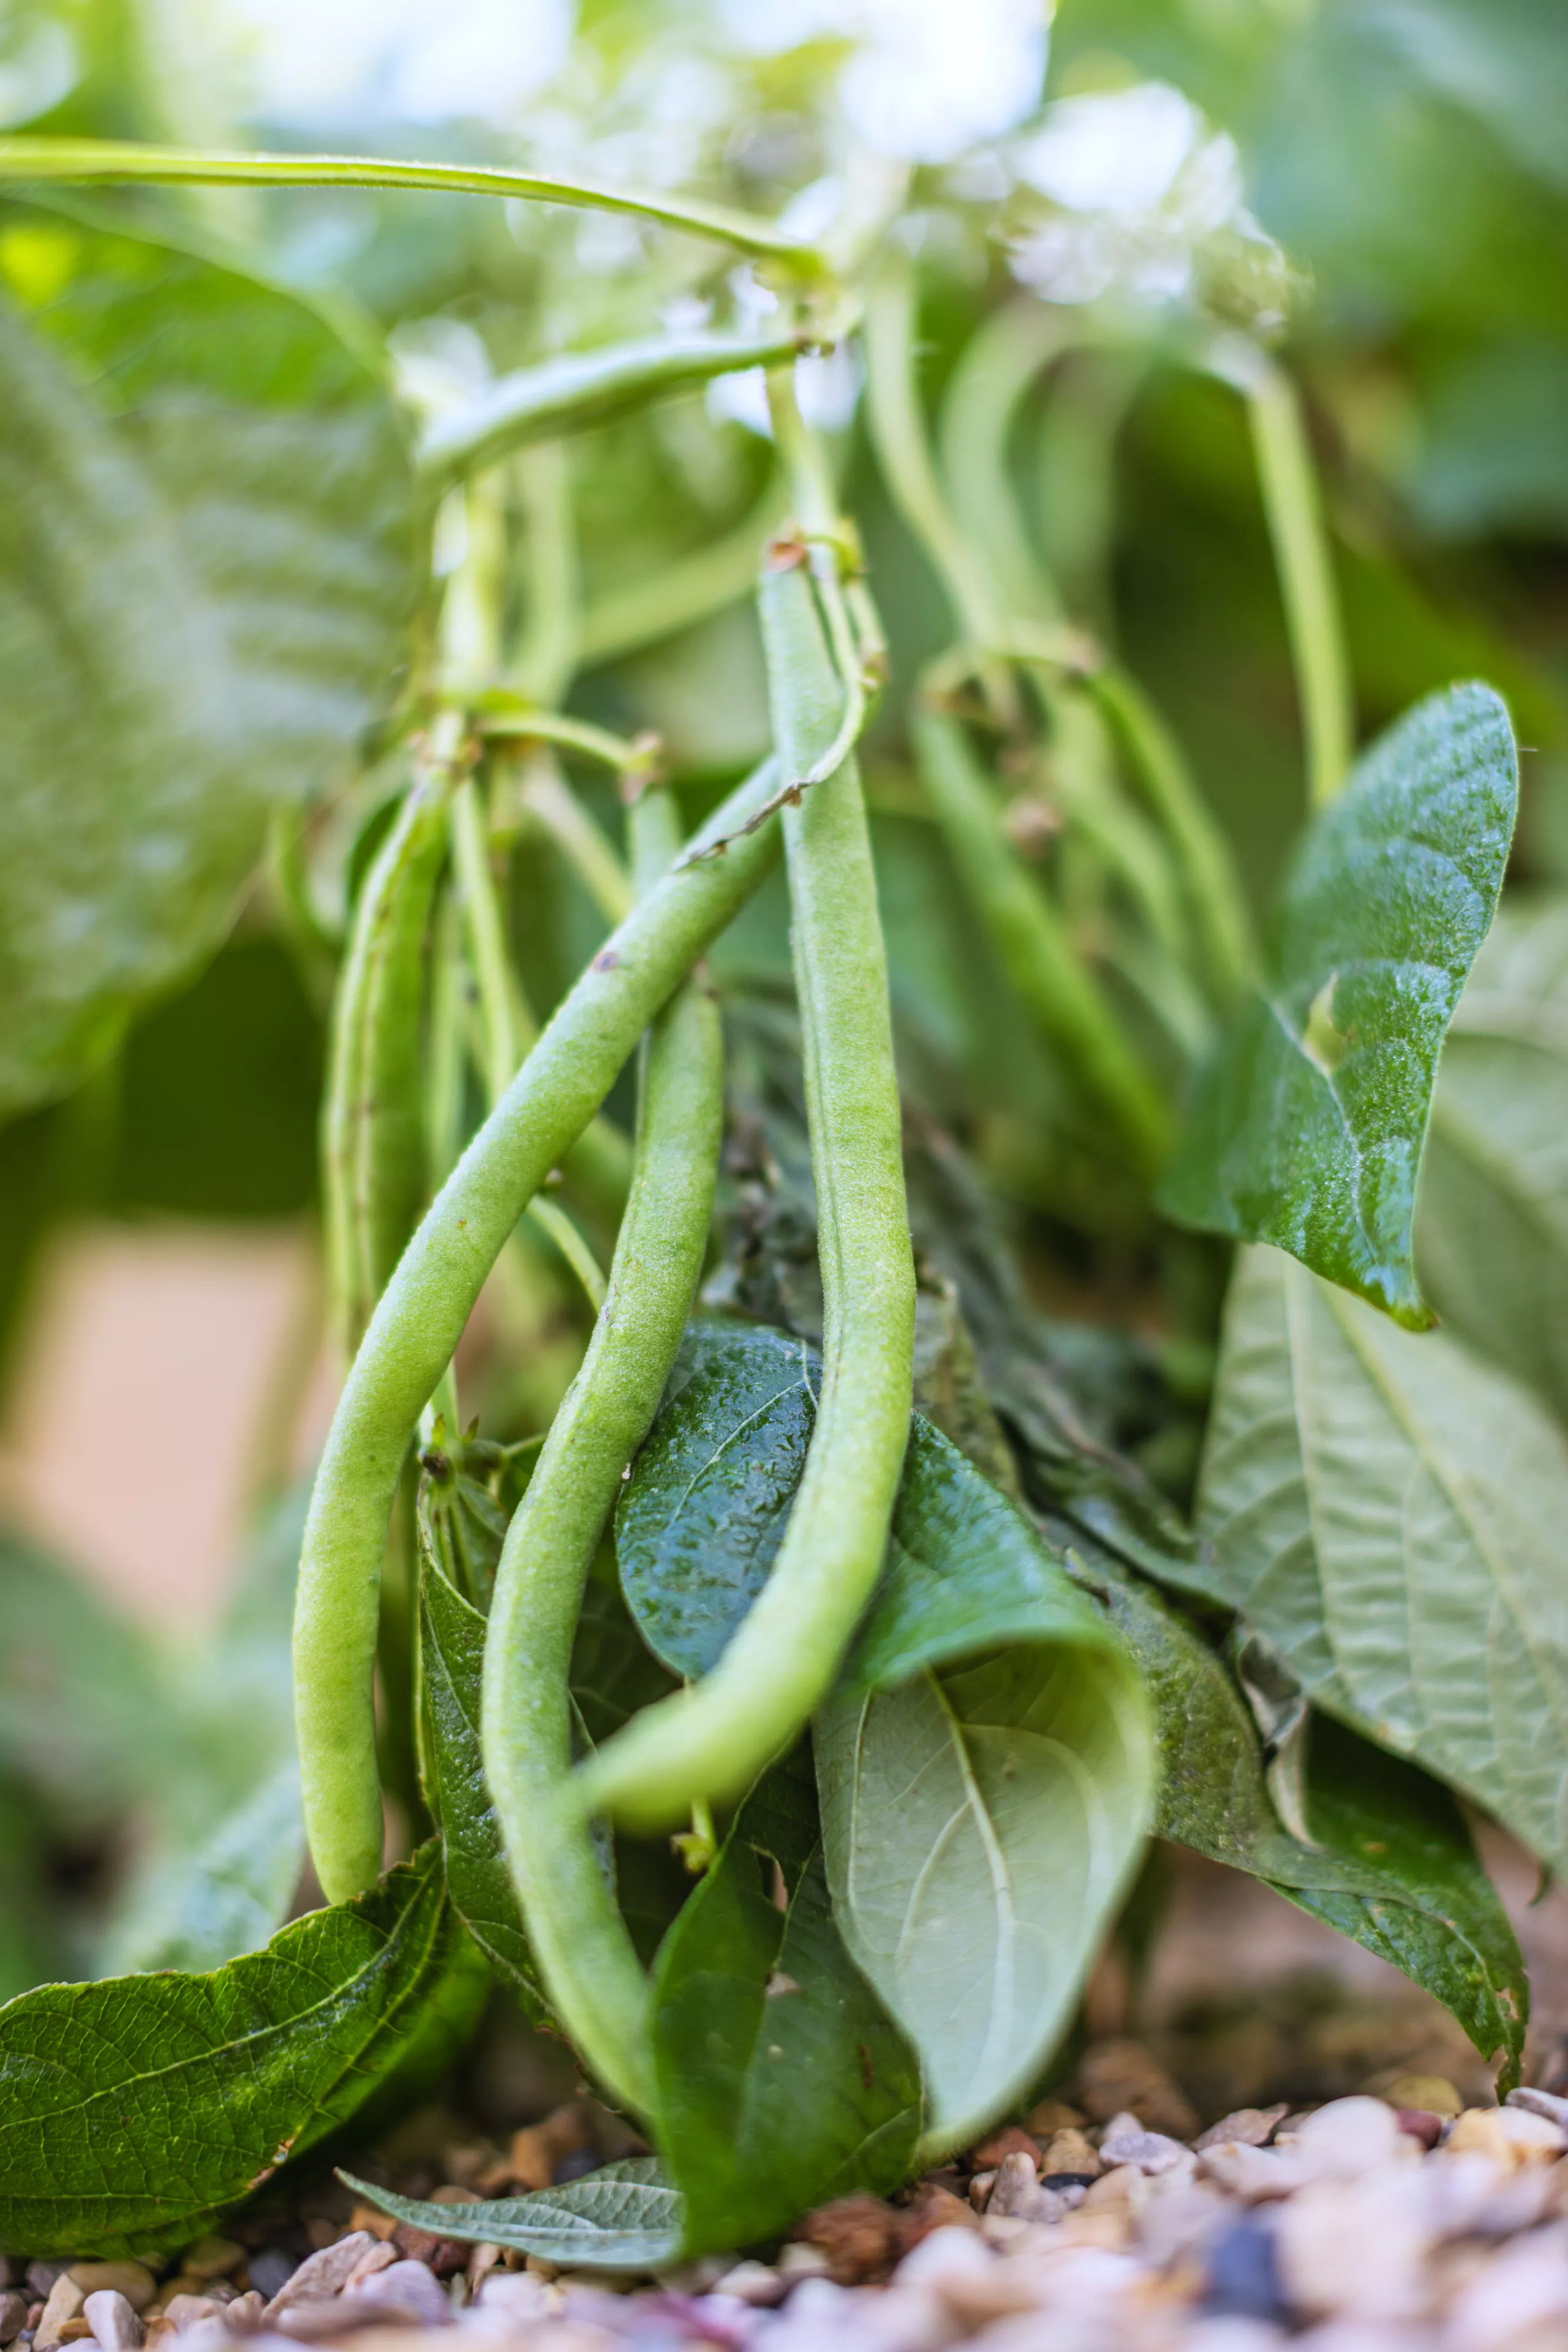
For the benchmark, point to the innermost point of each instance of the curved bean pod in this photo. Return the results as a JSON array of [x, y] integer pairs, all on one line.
[[578, 1934], [420, 1319], [372, 1144], [711, 1742]]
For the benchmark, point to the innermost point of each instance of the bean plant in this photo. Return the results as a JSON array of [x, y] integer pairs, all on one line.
[[755, 1646]]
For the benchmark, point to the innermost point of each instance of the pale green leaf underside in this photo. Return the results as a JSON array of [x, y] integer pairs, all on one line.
[[1389, 1511], [1492, 1226], [974, 1927], [625, 2216], [1309, 1129], [206, 569]]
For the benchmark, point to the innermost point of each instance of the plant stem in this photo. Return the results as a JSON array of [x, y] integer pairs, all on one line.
[[1294, 510], [577, 1934], [88, 160], [710, 1742], [1053, 984], [421, 1314], [624, 620], [1214, 886], [1001, 359]]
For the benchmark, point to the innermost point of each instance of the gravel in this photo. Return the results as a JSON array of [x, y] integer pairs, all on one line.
[[1365, 2225]]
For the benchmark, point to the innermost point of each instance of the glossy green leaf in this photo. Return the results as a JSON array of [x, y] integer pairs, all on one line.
[[624, 2217], [1387, 1510], [702, 1513], [206, 571], [985, 1766], [782, 2081], [1492, 1226], [1308, 1127], [135, 2112], [1392, 1864]]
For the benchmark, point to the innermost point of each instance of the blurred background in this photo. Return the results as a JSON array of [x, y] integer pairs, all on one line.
[[1381, 187]]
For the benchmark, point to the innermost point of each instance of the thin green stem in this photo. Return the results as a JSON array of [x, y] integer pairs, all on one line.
[[509, 716], [84, 161], [1001, 359], [544, 791], [623, 621], [543, 663], [576, 1932], [420, 1317], [1060, 994], [1213, 887], [709, 1743], [1293, 506]]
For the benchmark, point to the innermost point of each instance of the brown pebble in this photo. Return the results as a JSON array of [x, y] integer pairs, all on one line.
[[372, 2221], [933, 2207], [134, 2281], [77, 2330], [861, 2236], [1070, 2151], [1012, 2140], [13, 2316], [211, 2258], [538, 2148], [1052, 2115], [442, 2255], [980, 2186], [1418, 2123], [326, 2271], [1431, 2094], [1121, 2076]]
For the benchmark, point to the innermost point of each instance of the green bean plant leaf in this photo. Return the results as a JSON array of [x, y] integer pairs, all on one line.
[[1492, 1228], [624, 2217], [1309, 1127], [136, 2111], [206, 576], [782, 2081], [1386, 1510], [1391, 1862], [460, 1521], [984, 1765]]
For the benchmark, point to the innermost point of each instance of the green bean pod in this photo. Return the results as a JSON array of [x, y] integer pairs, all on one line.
[[710, 1741], [1061, 996], [577, 1934], [420, 1317], [372, 1141]]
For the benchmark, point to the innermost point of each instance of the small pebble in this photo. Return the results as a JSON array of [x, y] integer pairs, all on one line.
[[211, 2258], [1509, 2136], [13, 2316], [325, 2273], [1539, 2103], [1069, 2151], [1247, 2126], [271, 2270], [1125, 2141], [408, 2286], [1241, 2272], [113, 2322], [1343, 2140], [64, 2301], [1433, 2094]]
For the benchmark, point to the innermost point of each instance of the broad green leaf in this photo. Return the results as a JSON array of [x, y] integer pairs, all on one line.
[[462, 1525], [1387, 1510], [624, 2217], [703, 1510], [1308, 1127], [1492, 1225], [782, 2081], [195, 1910], [1392, 1864], [134, 2112], [451, 1663], [985, 1766], [206, 575]]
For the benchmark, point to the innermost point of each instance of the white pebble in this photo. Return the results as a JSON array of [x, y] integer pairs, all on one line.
[[1518, 2298], [407, 2286], [113, 2321], [1347, 2138]]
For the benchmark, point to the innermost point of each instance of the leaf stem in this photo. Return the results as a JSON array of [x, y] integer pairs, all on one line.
[[88, 160], [1293, 506]]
